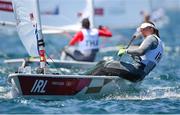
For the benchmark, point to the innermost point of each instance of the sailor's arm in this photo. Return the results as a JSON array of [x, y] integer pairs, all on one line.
[[78, 37], [145, 46], [104, 31]]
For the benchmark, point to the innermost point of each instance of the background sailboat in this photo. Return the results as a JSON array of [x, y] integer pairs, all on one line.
[[57, 18], [49, 84], [57, 14]]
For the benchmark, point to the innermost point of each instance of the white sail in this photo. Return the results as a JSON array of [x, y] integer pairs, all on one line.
[[28, 24], [57, 14], [63, 20], [89, 12]]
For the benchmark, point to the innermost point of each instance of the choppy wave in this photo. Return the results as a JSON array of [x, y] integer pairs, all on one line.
[[151, 94], [158, 93]]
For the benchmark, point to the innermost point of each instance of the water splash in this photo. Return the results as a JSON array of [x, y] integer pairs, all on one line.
[[150, 94]]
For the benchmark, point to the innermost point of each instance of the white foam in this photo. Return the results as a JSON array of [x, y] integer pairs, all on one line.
[[2, 70], [2, 89], [150, 94]]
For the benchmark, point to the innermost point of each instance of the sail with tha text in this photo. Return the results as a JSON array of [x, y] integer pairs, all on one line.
[[29, 27]]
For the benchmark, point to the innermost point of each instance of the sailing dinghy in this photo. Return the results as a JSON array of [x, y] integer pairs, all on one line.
[[41, 83]]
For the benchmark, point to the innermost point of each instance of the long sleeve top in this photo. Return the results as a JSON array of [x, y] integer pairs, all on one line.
[[149, 43], [104, 32]]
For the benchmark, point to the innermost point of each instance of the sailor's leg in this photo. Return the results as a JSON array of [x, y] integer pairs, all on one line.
[[81, 57], [98, 69], [124, 70], [67, 52], [92, 56], [63, 55]]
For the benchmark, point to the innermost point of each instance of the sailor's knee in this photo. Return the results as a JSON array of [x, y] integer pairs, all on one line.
[[138, 78]]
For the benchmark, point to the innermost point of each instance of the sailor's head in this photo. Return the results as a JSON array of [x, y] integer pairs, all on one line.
[[147, 25], [147, 28], [86, 23]]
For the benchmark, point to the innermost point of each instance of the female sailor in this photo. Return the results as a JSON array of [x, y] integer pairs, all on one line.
[[149, 54]]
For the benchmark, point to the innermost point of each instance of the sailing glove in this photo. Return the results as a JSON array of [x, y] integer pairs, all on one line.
[[122, 51]]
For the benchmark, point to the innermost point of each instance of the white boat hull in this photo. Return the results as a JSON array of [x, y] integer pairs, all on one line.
[[61, 86]]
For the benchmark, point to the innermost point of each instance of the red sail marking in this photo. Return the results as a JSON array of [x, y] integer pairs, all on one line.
[[6, 6], [99, 11]]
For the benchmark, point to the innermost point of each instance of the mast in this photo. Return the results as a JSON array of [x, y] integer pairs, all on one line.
[[90, 5], [39, 36], [29, 28]]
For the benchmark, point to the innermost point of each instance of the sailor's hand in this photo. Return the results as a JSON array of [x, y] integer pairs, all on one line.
[[121, 51]]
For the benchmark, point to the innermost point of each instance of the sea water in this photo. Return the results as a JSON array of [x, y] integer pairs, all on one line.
[[158, 93]]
